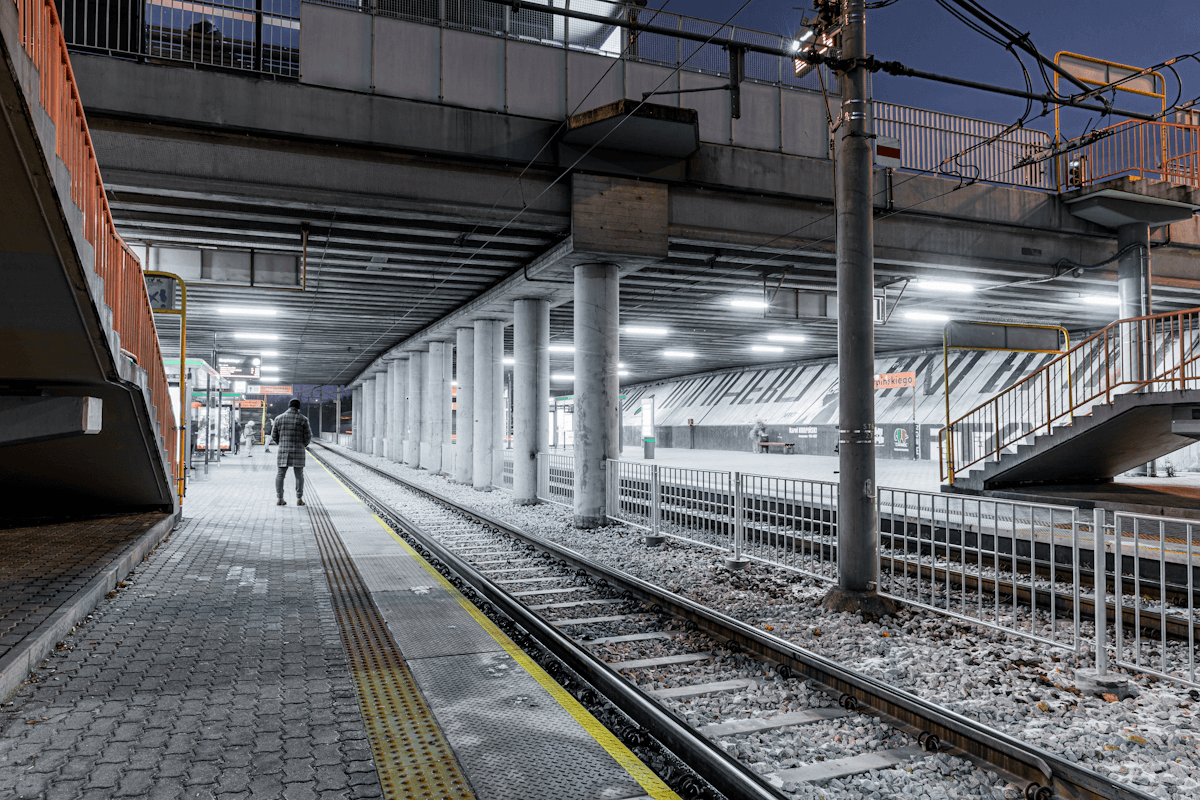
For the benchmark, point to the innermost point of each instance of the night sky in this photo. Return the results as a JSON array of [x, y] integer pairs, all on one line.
[[920, 34]]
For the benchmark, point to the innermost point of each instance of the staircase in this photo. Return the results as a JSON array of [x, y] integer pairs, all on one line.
[[86, 422], [1120, 398]]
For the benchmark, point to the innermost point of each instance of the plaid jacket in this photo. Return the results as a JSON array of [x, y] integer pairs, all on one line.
[[292, 433]]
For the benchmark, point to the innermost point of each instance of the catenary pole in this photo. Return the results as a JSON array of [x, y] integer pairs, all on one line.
[[857, 557]]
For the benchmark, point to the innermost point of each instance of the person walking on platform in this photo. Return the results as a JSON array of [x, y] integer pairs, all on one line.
[[292, 433]]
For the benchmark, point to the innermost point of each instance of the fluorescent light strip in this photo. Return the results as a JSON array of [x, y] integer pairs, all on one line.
[[509, 360], [248, 312], [785, 337], [678, 354], [926, 316], [945, 286], [562, 348], [562, 377], [1100, 300], [647, 331], [265, 337], [766, 348], [747, 303]]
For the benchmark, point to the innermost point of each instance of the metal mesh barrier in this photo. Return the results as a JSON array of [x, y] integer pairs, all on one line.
[[998, 563], [556, 479], [790, 523], [506, 471]]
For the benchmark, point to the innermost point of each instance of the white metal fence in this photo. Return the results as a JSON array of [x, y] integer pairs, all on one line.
[[999, 563], [556, 479], [506, 471]]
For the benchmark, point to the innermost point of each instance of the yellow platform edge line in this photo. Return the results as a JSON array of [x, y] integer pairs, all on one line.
[[645, 776]]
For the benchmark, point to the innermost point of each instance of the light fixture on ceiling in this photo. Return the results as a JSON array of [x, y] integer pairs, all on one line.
[[562, 348], [562, 377], [944, 286], [785, 337], [269, 353], [635, 331], [678, 354], [1100, 300], [926, 316], [746, 303], [766, 348], [509, 360], [248, 312], [622, 372], [263, 337]]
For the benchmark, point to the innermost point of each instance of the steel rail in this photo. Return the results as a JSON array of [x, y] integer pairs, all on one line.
[[1049, 775], [727, 775]]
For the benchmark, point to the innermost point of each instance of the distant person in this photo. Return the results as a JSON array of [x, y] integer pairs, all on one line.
[[268, 425], [758, 435], [292, 433], [237, 436], [250, 439]]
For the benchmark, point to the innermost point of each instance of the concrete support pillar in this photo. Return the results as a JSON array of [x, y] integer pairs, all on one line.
[[369, 416], [597, 404], [489, 380], [531, 392], [446, 400], [416, 414], [379, 417], [357, 418], [398, 375], [389, 409], [337, 416], [464, 415], [1133, 291], [435, 408]]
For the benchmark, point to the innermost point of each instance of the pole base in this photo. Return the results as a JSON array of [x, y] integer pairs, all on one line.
[[736, 564], [869, 604], [1089, 682], [653, 541], [589, 522]]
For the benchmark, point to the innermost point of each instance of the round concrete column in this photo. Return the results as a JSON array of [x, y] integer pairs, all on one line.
[[446, 399], [464, 412], [531, 390], [489, 354], [435, 411], [398, 372], [597, 404], [389, 430], [379, 417], [369, 416], [414, 430]]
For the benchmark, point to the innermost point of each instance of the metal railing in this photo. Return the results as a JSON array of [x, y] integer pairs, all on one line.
[[556, 479], [1165, 151], [506, 471], [962, 147], [1155, 353], [791, 523], [124, 285], [1153, 583], [996, 563]]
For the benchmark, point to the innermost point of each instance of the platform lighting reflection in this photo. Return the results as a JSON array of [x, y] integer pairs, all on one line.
[[263, 337], [678, 354], [248, 312], [926, 316], [1100, 300], [766, 348], [562, 348], [945, 286], [647, 331], [748, 303], [785, 337]]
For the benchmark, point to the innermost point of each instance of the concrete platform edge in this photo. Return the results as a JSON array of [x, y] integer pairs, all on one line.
[[16, 666]]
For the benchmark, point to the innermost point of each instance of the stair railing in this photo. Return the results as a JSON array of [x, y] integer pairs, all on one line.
[[1146, 354], [124, 286]]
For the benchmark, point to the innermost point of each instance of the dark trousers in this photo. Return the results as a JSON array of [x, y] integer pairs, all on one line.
[[299, 481]]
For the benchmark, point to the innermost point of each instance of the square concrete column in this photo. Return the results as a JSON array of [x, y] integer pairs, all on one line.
[[531, 392], [369, 416], [416, 414], [488, 400], [435, 409], [379, 417], [597, 392], [399, 419], [464, 414]]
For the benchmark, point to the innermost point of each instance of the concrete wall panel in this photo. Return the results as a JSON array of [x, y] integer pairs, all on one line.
[[477, 77], [758, 126], [408, 59], [583, 71], [805, 131], [646, 78], [335, 47], [713, 107], [537, 80]]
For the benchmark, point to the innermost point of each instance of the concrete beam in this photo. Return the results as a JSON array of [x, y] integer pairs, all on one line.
[[24, 420]]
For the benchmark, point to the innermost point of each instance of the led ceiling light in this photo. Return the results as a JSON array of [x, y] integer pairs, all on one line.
[[679, 354], [945, 286], [248, 312], [263, 337], [926, 316], [1100, 300], [509, 360], [785, 337], [647, 331], [623, 372], [766, 348], [562, 348], [562, 377], [742, 303]]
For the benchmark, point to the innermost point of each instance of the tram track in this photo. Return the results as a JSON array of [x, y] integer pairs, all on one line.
[[549, 590]]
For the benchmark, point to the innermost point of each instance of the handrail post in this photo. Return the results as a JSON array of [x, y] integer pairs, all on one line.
[[737, 561], [655, 502], [996, 405], [1101, 586]]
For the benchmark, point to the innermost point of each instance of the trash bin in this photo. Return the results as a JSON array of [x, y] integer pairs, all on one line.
[[648, 447]]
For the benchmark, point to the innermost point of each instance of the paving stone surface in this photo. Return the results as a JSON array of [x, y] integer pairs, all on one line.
[[218, 671], [43, 566]]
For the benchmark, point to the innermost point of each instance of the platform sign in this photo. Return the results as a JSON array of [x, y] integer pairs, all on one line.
[[255, 388], [896, 380], [250, 404], [887, 152], [240, 369], [161, 291]]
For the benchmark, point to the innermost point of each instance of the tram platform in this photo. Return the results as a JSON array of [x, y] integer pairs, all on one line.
[[293, 652]]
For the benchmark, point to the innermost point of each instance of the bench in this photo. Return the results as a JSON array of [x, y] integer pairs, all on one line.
[[788, 447]]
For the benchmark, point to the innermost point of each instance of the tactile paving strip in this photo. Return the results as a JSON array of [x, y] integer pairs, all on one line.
[[412, 756]]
